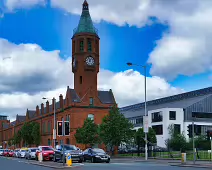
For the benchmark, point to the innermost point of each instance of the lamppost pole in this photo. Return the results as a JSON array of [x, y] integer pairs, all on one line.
[[145, 110], [145, 105], [54, 130]]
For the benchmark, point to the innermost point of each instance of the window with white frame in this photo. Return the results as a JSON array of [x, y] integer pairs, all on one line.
[[91, 116]]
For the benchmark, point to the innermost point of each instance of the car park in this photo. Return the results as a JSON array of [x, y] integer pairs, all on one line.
[[31, 152], [76, 154], [22, 152], [46, 151], [96, 155]]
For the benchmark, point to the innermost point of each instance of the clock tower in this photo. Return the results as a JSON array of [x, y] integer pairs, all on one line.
[[85, 56]]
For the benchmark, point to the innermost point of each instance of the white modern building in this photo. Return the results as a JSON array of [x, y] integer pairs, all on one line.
[[178, 110]]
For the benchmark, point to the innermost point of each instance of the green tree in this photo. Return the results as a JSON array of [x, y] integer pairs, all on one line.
[[177, 141], [36, 136], [88, 133], [17, 138], [115, 129], [140, 138], [26, 133]]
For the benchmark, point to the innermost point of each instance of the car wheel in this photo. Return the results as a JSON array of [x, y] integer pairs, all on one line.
[[108, 161], [80, 161]]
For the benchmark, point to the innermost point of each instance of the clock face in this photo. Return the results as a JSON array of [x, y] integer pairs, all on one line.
[[90, 61]]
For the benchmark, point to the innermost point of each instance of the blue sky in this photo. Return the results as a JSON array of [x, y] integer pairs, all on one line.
[[51, 28]]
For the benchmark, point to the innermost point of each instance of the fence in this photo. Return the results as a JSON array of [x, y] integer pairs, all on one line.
[[201, 155]]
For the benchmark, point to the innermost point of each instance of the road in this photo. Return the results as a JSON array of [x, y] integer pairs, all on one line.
[[22, 164]]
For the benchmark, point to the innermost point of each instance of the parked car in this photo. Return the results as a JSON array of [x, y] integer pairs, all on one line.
[[11, 153], [22, 152], [5, 152], [76, 154], [30, 154], [47, 152], [96, 155], [1, 152], [16, 152]]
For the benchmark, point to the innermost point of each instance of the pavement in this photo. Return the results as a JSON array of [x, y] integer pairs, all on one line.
[[116, 164]]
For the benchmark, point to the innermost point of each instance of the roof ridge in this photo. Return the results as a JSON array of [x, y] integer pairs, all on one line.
[[181, 96]]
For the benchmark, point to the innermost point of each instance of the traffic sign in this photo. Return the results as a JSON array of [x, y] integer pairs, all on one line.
[[145, 124], [68, 160]]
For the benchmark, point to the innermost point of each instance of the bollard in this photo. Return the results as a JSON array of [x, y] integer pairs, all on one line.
[[40, 157], [68, 160], [183, 160]]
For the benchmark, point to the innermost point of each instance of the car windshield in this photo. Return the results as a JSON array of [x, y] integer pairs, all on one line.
[[70, 147], [33, 150], [47, 149], [98, 151]]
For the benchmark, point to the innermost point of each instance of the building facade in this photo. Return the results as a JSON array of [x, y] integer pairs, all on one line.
[[178, 110], [84, 101]]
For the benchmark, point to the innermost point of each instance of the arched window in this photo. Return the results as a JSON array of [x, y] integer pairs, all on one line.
[[91, 116], [67, 141], [89, 45]]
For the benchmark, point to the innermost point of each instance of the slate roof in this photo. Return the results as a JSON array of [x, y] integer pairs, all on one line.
[[85, 24], [20, 118], [106, 97], [183, 100], [13, 123], [32, 113]]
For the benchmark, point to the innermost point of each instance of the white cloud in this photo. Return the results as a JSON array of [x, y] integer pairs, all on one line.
[[30, 60], [15, 4], [185, 49]]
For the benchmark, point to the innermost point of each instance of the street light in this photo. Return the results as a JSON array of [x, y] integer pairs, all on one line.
[[145, 109], [54, 130]]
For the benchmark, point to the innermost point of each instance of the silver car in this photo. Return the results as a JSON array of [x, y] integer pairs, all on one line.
[[16, 152], [30, 154], [1, 152], [21, 153]]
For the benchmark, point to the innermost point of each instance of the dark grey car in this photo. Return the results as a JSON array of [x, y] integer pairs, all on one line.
[[76, 154]]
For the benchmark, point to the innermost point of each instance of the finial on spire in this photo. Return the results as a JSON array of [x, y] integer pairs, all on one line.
[[85, 5]]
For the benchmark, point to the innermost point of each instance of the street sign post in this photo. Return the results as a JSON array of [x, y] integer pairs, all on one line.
[[68, 160], [145, 124]]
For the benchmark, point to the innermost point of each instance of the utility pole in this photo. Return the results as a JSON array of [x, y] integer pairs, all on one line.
[[146, 149], [63, 134]]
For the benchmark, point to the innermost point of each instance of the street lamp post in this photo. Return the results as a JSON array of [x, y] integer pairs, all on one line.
[[145, 106], [54, 130]]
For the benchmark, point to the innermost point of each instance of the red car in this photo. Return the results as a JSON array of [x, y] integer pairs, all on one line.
[[11, 153], [6, 152], [47, 153]]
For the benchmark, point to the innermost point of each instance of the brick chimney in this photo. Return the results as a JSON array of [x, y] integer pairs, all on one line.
[[53, 103], [61, 101], [42, 108], [37, 110], [47, 106]]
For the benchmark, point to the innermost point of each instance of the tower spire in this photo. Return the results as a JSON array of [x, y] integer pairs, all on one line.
[[85, 6], [85, 24]]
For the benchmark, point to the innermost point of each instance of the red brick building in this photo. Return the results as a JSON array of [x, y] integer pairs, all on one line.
[[79, 103]]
